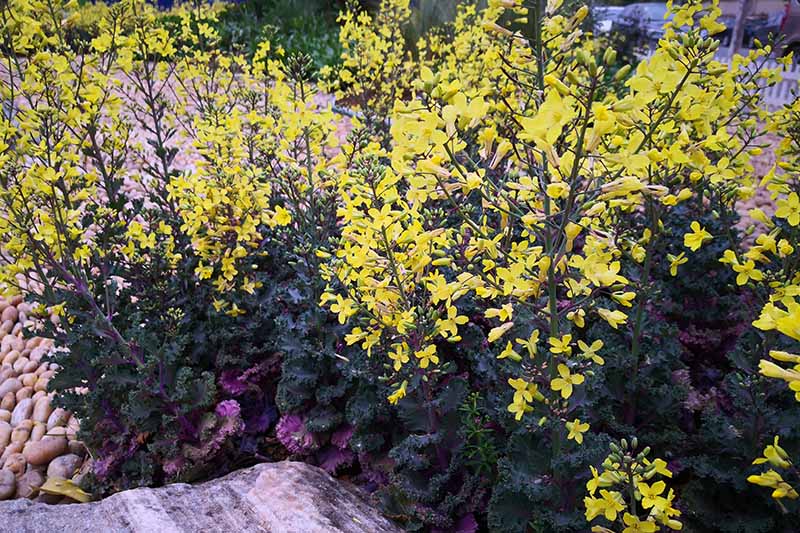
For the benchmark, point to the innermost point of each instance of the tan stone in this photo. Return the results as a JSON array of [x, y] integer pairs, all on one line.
[[8, 484], [22, 411], [42, 409], [16, 463], [24, 393], [9, 401], [38, 431], [10, 385], [22, 431], [11, 357], [45, 450], [5, 435], [28, 484], [64, 466], [58, 417], [56, 432], [41, 384], [19, 364], [11, 449], [9, 313], [280, 497]]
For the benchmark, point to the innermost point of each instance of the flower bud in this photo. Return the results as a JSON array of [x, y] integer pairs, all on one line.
[[493, 27], [622, 73]]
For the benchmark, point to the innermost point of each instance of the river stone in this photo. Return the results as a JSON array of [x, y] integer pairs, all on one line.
[[64, 466], [21, 412], [285, 497], [8, 484]]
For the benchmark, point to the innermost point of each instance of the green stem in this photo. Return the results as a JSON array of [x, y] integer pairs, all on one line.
[[631, 492], [638, 321]]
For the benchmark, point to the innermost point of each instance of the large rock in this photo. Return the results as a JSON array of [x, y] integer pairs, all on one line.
[[285, 497]]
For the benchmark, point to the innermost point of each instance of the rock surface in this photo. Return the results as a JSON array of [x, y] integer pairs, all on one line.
[[285, 497]]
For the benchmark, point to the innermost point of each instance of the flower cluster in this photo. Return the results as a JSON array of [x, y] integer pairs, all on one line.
[[499, 230], [777, 458], [514, 198], [527, 194], [376, 66], [770, 262], [769, 267], [146, 178], [624, 485]]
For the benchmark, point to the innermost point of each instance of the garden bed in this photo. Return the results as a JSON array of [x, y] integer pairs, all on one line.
[[530, 284]]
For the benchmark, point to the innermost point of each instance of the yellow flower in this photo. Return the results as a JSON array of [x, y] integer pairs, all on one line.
[[399, 394], [773, 480], [771, 370], [509, 353], [399, 356], [561, 345], [566, 381], [282, 216], [658, 466], [448, 327], [505, 313], [609, 504], [345, 307], [675, 261], [499, 331], [577, 317], [774, 455], [606, 479], [747, 272], [695, 239], [624, 298], [635, 525], [789, 209], [234, 311], [571, 230], [614, 318], [651, 493], [590, 351], [557, 190], [524, 391], [427, 356], [576, 430], [519, 409], [531, 343], [786, 357]]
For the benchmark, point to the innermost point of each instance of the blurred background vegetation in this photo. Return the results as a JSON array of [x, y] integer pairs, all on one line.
[[307, 26], [310, 26]]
